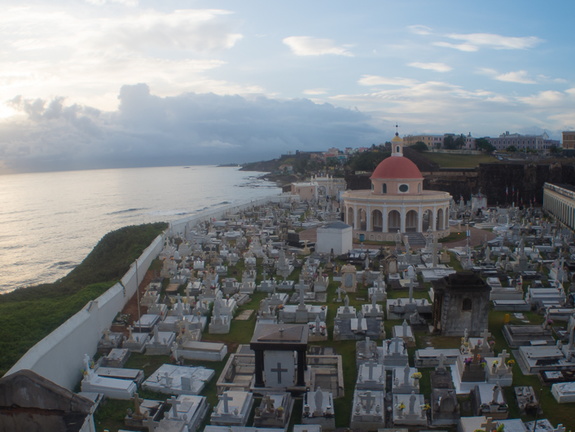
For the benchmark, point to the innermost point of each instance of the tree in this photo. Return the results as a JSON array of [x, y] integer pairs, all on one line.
[[419, 146], [554, 150], [484, 145], [511, 149], [460, 141], [449, 142]]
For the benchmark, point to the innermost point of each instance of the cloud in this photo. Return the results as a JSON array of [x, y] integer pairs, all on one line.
[[459, 47], [519, 77], [189, 128], [419, 29], [309, 46], [374, 80], [437, 67], [315, 92], [475, 41], [173, 51], [130, 3]]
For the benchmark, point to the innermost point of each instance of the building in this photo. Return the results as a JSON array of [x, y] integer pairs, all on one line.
[[396, 202], [559, 200], [569, 140], [431, 141], [538, 143], [336, 237], [319, 187]]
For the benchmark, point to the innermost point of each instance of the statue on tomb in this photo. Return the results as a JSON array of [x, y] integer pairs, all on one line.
[[412, 400], [318, 399]]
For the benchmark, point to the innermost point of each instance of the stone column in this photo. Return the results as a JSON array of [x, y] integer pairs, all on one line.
[[402, 214], [420, 220], [433, 222], [384, 219], [368, 226]]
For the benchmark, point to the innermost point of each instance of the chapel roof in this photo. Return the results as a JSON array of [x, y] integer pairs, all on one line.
[[396, 167]]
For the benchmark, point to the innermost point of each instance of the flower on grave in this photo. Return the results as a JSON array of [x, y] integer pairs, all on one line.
[[491, 342], [400, 406], [416, 375], [468, 360], [425, 407], [510, 362], [496, 362]]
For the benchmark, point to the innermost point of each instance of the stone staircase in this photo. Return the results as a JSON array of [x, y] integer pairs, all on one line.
[[415, 239]]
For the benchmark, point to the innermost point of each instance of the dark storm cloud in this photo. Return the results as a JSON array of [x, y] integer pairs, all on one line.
[[181, 130]]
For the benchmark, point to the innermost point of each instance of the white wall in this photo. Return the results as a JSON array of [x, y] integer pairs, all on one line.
[[58, 357]]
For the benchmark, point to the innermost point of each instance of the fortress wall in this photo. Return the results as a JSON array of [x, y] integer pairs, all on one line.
[[59, 356]]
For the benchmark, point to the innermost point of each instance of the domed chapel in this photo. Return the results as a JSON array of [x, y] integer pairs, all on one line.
[[396, 202]]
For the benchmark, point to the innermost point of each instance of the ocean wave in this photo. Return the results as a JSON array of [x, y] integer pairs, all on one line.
[[64, 265], [131, 210]]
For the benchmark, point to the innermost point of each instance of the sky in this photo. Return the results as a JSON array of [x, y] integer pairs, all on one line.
[[119, 83]]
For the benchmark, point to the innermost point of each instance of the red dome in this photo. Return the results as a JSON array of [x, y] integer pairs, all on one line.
[[396, 167]]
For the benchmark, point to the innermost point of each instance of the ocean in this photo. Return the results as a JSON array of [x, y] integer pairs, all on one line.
[[49, 222]]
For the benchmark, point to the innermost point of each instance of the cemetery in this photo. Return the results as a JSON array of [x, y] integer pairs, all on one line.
[[239, 330]]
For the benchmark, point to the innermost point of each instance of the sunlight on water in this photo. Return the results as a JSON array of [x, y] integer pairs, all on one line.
[[49, 222]]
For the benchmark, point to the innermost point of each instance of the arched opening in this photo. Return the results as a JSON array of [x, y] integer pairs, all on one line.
[[427, 221], [411, 221], [384, 188], [349, 219], [362, 219], [440, 224], [377, 220], [393, 221]]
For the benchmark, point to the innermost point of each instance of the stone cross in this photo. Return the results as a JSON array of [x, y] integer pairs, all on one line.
[[503, 356], [476, 354], [370, 366], [484, 338], [489, 425], [137, 402], [367, 401], [156, 335], [225, 398], [279, 371], [174, 402], [167, 380], [130, 336]]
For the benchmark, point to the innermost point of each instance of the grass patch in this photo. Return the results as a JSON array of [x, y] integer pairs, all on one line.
[[27, 315], [448, 160]]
